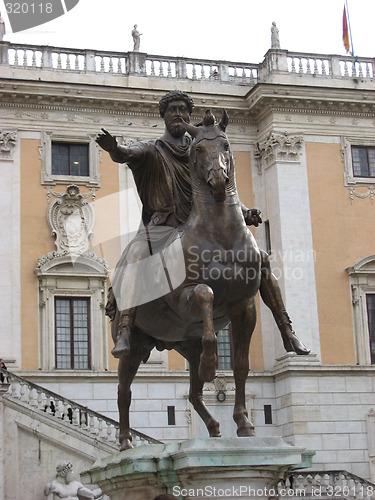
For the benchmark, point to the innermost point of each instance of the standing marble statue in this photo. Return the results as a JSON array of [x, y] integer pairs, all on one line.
[[275, 39], [2, 28], [136, 38], [65, 487]]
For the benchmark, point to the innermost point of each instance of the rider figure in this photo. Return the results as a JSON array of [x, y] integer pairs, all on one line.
[[161, 174]]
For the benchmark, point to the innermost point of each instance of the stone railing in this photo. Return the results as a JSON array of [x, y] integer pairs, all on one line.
[[325, 484], [317, 65], [128, 63], [323, 65], [57, 407], [277, 63]]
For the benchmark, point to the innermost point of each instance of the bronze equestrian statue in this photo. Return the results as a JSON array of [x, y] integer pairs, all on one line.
[[198, 201]]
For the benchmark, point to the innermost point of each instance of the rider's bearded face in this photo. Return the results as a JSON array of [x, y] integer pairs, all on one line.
[[175, 114]]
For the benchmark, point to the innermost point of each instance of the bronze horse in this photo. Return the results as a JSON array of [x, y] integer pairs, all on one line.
[[223, 266]]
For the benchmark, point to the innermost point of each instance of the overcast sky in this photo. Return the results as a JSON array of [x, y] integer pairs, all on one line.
[[233, 30]]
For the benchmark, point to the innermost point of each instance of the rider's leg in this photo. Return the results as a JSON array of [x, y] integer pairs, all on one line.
[[123, 319], [121, 323], [271, 295], [122, 333]]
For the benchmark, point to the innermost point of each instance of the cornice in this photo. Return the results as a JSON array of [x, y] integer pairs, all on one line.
[[126, 109], [265, 99], [111, 101]]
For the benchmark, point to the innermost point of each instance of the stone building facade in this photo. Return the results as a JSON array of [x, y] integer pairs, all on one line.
[[302, 131]]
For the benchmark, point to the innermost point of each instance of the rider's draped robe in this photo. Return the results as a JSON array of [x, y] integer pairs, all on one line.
[[163, 183]]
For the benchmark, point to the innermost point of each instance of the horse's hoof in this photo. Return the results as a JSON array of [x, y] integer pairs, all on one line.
[[215, 434], [126, 445], [213, 428], [119, 352], [246, 431], [293, 344]]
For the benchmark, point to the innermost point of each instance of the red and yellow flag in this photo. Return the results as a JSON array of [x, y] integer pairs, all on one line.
[[345, 31]]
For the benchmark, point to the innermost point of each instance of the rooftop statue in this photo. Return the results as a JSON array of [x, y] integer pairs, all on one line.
[[136, 38], [194, 266], [275, 39]]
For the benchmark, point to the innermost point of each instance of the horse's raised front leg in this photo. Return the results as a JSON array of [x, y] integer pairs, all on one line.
[[191, 350], [139, 350], [243, 318], [196, 304]]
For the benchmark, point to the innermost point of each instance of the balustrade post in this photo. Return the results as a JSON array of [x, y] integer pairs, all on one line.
[[224, 73], [181, 71], [46, 57], [89, 60], [137, 63], [4, 59], [76, 417], [23, 397], [278, 60], [335, 67]]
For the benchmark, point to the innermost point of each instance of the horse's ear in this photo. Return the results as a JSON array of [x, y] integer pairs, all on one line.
[[224, 120]]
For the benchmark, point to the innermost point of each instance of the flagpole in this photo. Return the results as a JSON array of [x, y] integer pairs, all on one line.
[[350, 29]]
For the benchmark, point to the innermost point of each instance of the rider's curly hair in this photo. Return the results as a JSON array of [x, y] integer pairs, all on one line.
[[175, 95]]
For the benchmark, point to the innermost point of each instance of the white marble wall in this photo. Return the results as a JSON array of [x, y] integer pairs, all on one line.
[[328, 412], [324, 409]]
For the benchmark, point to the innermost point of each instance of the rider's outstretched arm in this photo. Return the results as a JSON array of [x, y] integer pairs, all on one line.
[[118, 153]]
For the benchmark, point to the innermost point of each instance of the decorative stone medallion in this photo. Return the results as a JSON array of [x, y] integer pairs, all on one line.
[[71, 220]]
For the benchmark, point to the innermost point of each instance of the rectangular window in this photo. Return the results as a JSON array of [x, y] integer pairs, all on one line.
[[363, 161], [72, 326], [370, 299], [224, 351], [171, 415], [268, 414], [70, 159]]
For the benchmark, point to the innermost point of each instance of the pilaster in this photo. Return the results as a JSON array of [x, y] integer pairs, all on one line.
[[282, 165]]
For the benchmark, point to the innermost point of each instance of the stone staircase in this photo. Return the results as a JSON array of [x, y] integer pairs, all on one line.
[[325, 485], [63, 411]]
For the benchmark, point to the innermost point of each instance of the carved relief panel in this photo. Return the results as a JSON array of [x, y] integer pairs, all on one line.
[[8, 142], [278, 148], [71, 220]]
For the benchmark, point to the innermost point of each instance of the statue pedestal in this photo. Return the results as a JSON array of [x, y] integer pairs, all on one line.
[[232, 468]]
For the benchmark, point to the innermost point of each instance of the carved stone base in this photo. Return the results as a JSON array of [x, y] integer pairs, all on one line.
[[199, 468]]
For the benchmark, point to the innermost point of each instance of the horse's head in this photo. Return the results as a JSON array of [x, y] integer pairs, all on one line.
[[211, 157]]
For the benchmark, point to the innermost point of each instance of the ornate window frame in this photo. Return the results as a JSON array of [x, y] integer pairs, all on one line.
[[45, 150], [60, 276], [346, 144], [362, 282]]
